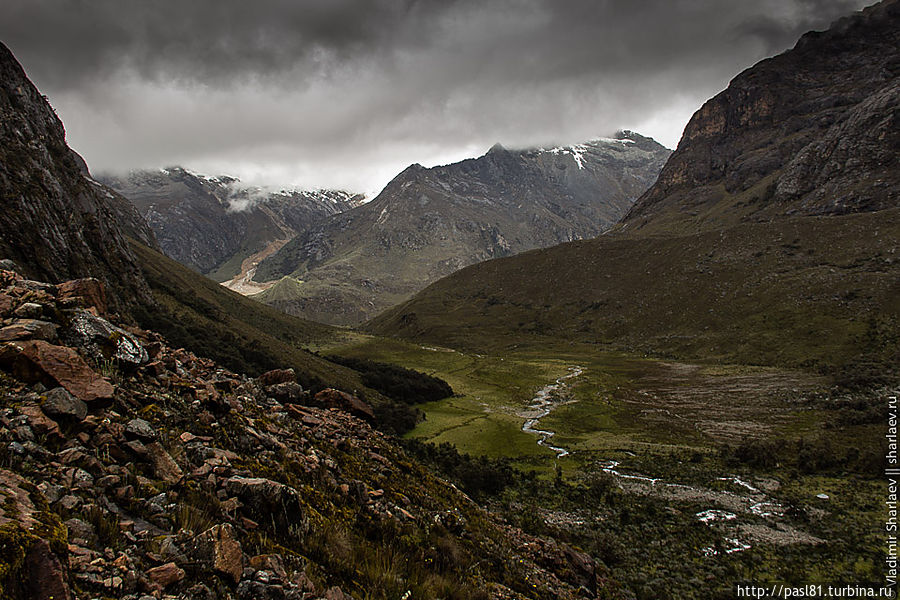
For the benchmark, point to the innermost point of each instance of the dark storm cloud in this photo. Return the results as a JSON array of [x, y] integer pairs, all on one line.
[[332, 87]]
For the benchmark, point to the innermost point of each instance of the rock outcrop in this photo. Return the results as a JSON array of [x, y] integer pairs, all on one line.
[[813, 131], [57, 223]]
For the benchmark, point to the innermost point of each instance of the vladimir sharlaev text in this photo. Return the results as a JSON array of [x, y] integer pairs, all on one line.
[[893, 474]]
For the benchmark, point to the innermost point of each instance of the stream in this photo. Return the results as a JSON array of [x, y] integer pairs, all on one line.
[[542, 405], [751, 501]]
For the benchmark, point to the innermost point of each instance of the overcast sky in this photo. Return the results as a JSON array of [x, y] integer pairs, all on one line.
[[346, 93]]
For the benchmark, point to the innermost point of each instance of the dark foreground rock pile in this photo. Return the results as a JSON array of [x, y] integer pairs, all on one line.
[[131, 469]]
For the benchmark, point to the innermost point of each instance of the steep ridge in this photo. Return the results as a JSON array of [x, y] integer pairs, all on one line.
[[57, 222], [211, 224], [428, 223], [813, 131], [770, 236]]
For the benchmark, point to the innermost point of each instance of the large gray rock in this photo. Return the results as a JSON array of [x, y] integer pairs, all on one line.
[[104, 340], [60, 404], [140, 429], [272, 501]]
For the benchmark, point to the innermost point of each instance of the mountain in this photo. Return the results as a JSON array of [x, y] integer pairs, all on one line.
[[769, 237], [58, 223], [133, 467], [216, 225], [428, 223], [812, 131]]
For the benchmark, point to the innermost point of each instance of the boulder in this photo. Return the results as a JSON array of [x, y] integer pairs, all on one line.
[[164, 466], [45, 577], [37, 360], [275, 501], [165, 575], [287, 392], [217, 549], [276, 376], [59, 404], [269, 562], [336, 593], [139, 429], [103, 340], [89, 292], [29, 310], [7, 303], [39, 421], [25, 329], [331, 398]]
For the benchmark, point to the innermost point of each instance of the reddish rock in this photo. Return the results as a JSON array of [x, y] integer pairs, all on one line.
[[336, 593], [25, 329], [40, 422], [153, 350], [306, 418], [7, 303], [164, 466], [155, 368], [89, 292], [166, 575], [45, 578], [269, 562], [221, 552], [29, 310], [331, 398], [37, 360], [276, 376]]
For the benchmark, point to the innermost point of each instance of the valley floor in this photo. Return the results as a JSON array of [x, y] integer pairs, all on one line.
[[682, 478]]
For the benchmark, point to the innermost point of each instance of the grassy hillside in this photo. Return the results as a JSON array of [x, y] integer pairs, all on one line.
[[244, 335], [756, 293]]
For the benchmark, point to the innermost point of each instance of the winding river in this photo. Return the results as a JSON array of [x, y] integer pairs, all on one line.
[[728, 504], [543, 403]]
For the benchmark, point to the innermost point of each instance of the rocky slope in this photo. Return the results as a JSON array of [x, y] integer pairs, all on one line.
[[813, 131], [132, 469], [428, 223], [213, 224], [56, 221], [770, 236]]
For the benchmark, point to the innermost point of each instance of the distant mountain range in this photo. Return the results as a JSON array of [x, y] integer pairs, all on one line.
[[219, 226], [428, 223], [771, 235]]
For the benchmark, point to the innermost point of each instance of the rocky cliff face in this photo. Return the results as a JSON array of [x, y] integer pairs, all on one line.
[[813, 131], [211, 224], [57, 223], [428, 223]]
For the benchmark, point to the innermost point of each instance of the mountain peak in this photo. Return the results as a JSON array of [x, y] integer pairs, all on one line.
[[497, 148]]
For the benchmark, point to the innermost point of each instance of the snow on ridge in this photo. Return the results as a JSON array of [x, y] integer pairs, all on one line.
[[576, 150]]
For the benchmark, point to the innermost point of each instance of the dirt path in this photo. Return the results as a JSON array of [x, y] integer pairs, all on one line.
[[243, 283]]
